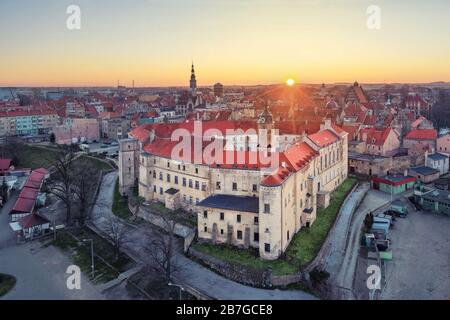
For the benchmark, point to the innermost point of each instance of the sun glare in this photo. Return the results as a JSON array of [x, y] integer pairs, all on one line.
[[290, 82]]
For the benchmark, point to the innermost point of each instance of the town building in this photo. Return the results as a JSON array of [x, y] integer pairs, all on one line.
[[438, 161], [424, 174], [79, 130], [443, 143], [432, 199], [393, 183], [218, 90]]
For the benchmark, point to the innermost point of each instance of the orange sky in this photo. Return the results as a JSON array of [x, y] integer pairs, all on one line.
[[234, 42]]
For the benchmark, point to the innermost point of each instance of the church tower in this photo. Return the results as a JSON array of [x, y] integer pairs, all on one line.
[[193, 82]]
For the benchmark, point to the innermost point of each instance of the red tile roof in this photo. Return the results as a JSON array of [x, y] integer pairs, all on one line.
[[375, 136], [28, 193], [422, 134], [23, 205], [33, 220], [5, 164], [323, 138]]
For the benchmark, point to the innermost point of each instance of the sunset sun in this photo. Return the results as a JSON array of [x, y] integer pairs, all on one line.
[[290, 82]]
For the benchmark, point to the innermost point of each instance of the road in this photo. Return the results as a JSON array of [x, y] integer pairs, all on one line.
[[190, 272], [420, 268], [331, 254], [40, 271], [374, 200]]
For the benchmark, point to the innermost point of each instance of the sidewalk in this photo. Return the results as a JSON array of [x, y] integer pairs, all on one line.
[[191, 273]]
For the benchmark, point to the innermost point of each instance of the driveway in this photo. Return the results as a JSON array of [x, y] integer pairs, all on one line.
[[7, 236], [190, 272], [420, 268], [373, 200], [41, 274]]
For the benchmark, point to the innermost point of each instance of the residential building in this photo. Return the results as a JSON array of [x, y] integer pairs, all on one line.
[[424, 174], [382, 142], [443, 143], [438, 161]]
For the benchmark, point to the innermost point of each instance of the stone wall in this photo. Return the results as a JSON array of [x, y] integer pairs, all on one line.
[[239, 273]]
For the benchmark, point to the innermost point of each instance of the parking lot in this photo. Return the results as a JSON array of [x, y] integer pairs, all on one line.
[[420, 268]]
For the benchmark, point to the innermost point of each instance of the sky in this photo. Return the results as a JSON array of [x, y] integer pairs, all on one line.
[[230, 41]]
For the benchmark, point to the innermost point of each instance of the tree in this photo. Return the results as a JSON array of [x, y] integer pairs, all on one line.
[[161, 250], [116, 232], [4, 191], [62, 179], [84, 186]]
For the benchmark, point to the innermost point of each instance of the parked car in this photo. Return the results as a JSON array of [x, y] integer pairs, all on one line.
[[394, 213]]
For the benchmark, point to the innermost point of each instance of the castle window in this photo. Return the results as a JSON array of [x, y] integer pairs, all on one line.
[[168, 164], [288, 234], [267, 247], [255, 188], [266, 208], [160, 176], [168, 177], [206, 229], [203, 186], [256, 220], [238, 218], [190, 183], [218, 185], [196, 170], [221, 231], [205, 214], [256, 237], [176, 179], [222, 216], [154, 174], [239, 235], [154, 188], [234, 186], [197, 185], [184, 182], [160, 191]]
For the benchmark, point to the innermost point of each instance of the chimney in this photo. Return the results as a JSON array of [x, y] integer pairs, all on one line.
[[426, 157]]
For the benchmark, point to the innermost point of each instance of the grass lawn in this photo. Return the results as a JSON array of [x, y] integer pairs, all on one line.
[[95, 163], [245, 258], [179, 215], [7, 282], [307, 242], [81, 254], [35, 157], [303, 248], [120, 204]]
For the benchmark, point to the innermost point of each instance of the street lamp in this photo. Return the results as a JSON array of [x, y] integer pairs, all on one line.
[[92, 256], [176, 285]]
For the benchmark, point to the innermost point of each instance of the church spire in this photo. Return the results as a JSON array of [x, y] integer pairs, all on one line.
[[193, 82]]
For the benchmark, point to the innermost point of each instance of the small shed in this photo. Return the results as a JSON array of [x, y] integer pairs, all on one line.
[[31, 226]]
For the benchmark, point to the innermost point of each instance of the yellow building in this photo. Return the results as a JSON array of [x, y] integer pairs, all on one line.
[[239, 201]]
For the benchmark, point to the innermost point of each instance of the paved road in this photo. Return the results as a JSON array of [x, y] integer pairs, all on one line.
[[332, 252], [373, 200], [41, 274], [190, 272], [420, 268], [7, 236]]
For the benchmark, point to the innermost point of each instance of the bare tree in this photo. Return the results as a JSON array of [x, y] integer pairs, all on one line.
[[84, 187], [61, 180], [116, 231], [161, 250]]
